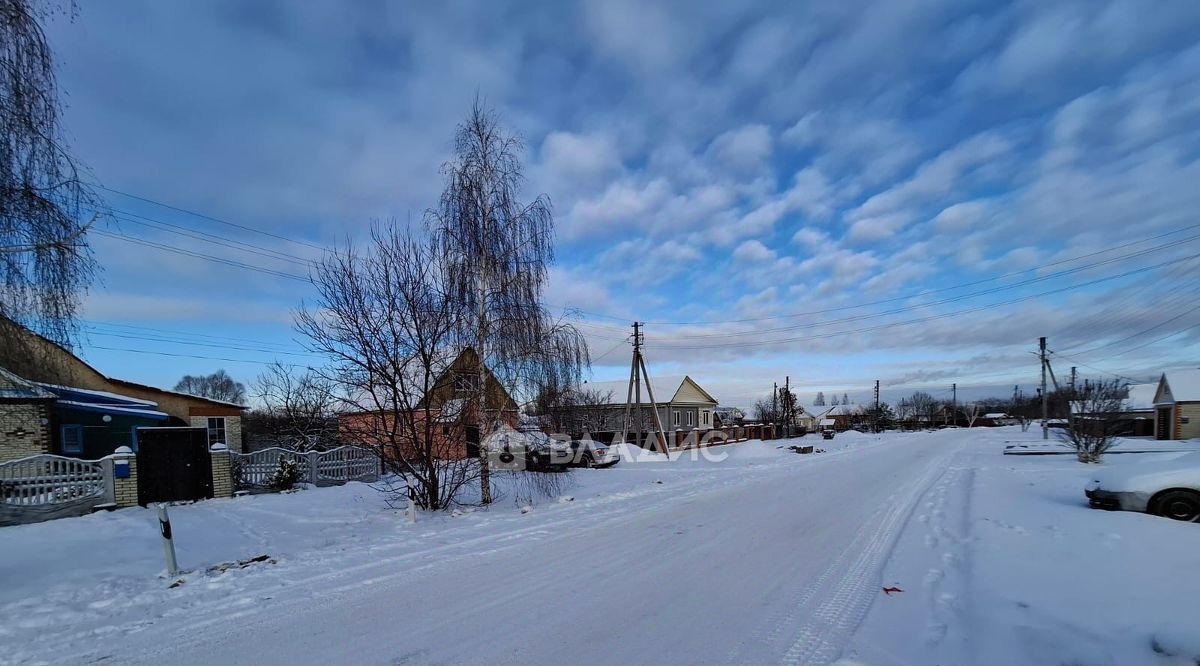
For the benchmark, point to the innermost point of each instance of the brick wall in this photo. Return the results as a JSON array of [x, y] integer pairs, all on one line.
[[222, 480], [22, 433], [1190, 411], [126, 490], [233, 429]]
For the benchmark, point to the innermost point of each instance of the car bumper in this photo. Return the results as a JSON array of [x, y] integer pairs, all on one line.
[[1116, 501]]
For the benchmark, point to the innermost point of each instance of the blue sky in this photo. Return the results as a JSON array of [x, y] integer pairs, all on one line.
[[769, 173]]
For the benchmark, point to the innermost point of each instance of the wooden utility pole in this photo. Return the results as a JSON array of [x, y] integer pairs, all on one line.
[[787, 401], [1045, 395], [637, 372]]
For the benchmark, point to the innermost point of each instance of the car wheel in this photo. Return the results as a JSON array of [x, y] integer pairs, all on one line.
[[586, 460], [1178, 505]]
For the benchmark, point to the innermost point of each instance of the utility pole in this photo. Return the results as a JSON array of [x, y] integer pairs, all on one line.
[[875, 418], [954, 402], [775, 401], [1072, 381], [787, 400], [1045, 396], [637, 371]]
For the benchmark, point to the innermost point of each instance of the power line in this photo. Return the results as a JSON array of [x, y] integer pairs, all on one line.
[[953, 299], [116, 325], [924, 292], [759, 343], [206, 237], [200, 344], [209, 358], [211, 218], [201, 255]]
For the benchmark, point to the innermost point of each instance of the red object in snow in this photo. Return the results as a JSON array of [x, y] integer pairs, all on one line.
[[888, 590]]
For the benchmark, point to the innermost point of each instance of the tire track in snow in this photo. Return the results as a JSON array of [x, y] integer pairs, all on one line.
[[832, 607]]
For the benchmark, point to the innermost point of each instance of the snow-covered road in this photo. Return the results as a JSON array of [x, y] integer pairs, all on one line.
[[771, 562]]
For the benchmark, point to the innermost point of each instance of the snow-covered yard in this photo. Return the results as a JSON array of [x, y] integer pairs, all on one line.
[[760, 556]]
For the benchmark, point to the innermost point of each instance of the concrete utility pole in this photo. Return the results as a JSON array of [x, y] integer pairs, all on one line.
[[875, 418], [1045, 395], [1072, 381], [954, 403], [637, 383], [787, 400]]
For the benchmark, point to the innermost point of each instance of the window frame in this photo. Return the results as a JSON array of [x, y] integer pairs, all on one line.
[[211, 430], [62, 435]]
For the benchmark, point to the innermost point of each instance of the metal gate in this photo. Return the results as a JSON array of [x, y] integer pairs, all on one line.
[[173, 464]]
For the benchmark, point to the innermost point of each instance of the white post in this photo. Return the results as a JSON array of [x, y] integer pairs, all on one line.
[[410, 510], [164, 526]]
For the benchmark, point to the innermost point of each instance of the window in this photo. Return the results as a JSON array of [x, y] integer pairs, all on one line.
[[704, 417], [216, 430], [676, 418], [689, 418], [72, 439], [465, 383]]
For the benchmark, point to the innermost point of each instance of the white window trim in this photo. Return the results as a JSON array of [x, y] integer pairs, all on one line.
[[62, 435], [677, 417], [224, 429]]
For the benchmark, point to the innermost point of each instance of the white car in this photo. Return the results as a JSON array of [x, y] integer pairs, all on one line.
[[590, 453], [1169, 488]]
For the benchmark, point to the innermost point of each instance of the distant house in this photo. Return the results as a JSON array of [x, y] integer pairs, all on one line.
[[681, 403], [727, 416], [808, 417], [1177, 405], [59, 372], [843, 417]]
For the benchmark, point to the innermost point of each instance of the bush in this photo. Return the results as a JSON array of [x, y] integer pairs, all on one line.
[[286, 474]]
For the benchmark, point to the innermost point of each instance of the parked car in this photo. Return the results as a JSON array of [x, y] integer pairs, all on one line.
[[1170, 488], [590, 453], [827, 434]]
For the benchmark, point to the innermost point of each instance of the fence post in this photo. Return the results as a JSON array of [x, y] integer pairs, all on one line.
[[222, 476], [125, 487], [311, 457]]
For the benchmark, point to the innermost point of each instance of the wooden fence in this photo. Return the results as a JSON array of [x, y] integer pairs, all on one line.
[[46, 486], [253, 471]]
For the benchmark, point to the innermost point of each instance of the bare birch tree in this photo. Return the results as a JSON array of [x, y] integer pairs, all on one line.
[[389, 327], [46, 207], [498, 250]]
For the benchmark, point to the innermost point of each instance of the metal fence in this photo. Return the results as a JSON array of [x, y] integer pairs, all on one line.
[[254, 471], [46, 486]]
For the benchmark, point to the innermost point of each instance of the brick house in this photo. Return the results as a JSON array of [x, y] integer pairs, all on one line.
[[456, 428], [35, 359], [1177, 405]]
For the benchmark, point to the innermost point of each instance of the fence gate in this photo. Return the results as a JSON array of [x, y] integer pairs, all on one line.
[[173, 464]]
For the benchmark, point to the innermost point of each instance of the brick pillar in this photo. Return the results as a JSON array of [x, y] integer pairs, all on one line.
[[125, 487], [679, 437], [222, 479]]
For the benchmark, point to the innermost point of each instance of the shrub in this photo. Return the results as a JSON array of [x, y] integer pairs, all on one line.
[[286, 474]]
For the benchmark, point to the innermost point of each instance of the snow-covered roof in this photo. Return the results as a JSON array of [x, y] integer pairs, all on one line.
[[116, 409], [1184, 384], [995, 415], [665, 389], [827, 422], [1141, 396], [12, 386], [842, 410], [105, 396]]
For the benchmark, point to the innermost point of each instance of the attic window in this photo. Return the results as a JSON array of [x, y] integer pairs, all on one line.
[[465, 383]]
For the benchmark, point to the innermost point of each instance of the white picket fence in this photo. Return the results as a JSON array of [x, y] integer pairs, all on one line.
[[321, 468], [46, 486]]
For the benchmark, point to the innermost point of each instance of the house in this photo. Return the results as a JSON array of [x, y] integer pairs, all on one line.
[[808, 418], [456, 426], [840, 417], [682, 404], [1177, 405], [38, 360], [727, 416], [40, 418]]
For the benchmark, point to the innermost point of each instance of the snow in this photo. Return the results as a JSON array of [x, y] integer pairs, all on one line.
[[1151, 476], [744, 553]]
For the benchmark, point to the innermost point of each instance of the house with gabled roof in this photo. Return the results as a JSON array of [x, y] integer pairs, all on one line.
[[1177, 405], [681, 402]]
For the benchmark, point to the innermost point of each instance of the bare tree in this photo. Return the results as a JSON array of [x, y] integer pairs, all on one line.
[[386, 322], [972, 414], [923, 406], [1095, 420], [573, 411], [217, 386], [46, 208], [298, 410], [766, 411], [497, 251]]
